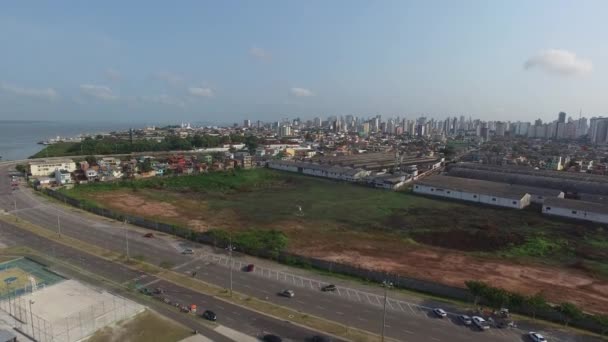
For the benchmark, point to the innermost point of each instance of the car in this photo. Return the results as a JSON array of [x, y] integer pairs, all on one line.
[[319, 338], [536, 337], [480, 323], [271, 338], [329, 288], [440, 312], [149, 235], [249, 268], [466, 320], [209, 315], [188, 251], [287, 293]]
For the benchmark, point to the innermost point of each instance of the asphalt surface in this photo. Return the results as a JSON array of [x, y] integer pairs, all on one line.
[[405, 321]]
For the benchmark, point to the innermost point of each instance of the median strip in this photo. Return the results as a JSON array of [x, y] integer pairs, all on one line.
[[250, 303]]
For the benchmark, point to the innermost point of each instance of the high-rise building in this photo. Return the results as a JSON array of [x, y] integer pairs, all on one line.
[[561, 117], [501, 127], [285, 131], [317, 122], [598, 130], [247, 123]]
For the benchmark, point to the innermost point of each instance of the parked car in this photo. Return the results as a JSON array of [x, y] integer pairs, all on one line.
[[480, 323], [249, 268], [319, 338], [271, 338], [209, 315], [466, 320], [287, 293], [188, 251], [536, 337], [440, 312], [149, 235], [329, 288]]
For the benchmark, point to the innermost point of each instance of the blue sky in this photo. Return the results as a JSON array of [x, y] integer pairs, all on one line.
[[223, 61]]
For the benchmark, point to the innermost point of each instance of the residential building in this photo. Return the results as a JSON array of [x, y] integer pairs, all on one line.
[[62, 177]]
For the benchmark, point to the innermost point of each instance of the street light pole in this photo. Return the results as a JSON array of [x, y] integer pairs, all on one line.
[[127, 239], [58, 224], [386, 285], [230, 247]]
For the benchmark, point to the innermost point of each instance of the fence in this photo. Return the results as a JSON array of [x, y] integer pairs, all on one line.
[[398, 281], [72, 328]]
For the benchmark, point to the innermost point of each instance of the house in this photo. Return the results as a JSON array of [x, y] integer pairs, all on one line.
[[47, 168], [91, 174], [244, 159], [576, 209], [473, 190], [389, 181], [62, 177]]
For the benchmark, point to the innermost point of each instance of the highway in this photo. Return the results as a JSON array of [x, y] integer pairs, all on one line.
[[351, 304]]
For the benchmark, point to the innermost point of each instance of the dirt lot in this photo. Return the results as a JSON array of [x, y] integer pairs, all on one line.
[[415, 236]]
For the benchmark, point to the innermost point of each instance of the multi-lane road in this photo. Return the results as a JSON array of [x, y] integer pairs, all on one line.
[[352, 304]]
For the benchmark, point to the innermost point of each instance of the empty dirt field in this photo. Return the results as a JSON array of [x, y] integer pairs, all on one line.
[[421, 237]]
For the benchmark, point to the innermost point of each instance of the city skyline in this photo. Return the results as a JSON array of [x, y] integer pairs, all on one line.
[[221, 62]]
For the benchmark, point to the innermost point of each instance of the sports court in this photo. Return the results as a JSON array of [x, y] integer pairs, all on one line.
[[22, 275]]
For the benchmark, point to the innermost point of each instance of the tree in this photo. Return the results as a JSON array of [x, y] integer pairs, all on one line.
[[92, 160], [496, 297], [570, 312], [536, 302], [477, 289], [602, 321]]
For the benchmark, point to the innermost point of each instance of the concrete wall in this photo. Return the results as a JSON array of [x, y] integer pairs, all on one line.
[[473, 197], [575, 214]]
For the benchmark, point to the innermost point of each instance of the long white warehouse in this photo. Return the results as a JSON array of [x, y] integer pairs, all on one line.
[[473, 190], [581, 210]]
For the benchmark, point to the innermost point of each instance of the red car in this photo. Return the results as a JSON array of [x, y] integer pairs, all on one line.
[[249, 268]]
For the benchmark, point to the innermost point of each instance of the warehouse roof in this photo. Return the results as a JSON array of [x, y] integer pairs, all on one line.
[[571, 204], [474, 186]]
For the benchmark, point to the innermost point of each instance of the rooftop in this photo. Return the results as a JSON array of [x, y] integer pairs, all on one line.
[[475, 186]]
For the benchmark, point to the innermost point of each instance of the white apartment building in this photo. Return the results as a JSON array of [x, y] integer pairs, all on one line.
[[48, 167]]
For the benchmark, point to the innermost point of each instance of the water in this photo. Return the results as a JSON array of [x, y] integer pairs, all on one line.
[[18, 139]]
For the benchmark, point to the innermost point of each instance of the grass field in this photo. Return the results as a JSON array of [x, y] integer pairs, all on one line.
[[145, 327], [393, 231]]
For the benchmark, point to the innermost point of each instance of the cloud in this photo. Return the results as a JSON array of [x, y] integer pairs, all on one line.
[[164, 99], [560, 62], [169, 78], [201, 92], [113, 75], [98, 91], [260, 54], [45, 93], [301, 92]]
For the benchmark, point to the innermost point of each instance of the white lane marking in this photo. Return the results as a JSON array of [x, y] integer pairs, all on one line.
[[388, 301], [378, 300], [409, 306], [340, 313]]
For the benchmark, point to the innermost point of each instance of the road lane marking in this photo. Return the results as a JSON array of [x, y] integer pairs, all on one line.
[[407, 331], [340, 313]]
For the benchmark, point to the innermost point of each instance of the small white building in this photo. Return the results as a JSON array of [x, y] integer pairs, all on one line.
[[473, 190], [576, 209], [91, 174], [63, 177], [326, 171], [48, 167]]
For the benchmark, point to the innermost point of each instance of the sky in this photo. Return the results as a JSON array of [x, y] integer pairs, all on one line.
[[225, 61]]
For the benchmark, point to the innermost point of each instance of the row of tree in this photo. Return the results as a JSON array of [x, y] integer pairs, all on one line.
[[252, 241], [497, 298], [110, 145]]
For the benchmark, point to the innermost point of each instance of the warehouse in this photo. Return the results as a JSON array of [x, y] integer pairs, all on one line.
[[327, 171], [473, 190], [576, 209]]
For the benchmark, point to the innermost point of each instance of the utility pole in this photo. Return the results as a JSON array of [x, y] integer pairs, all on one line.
[[127, 239], [386, 285], [32, 319]]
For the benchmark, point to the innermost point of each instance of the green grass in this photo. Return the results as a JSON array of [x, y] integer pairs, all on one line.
[[345, 213], [57, 150]]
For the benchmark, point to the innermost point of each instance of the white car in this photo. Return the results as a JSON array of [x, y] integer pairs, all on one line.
[[480, 323], [440, 312], [466, 320], [188, 251], [536, 337], [287, 293]]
